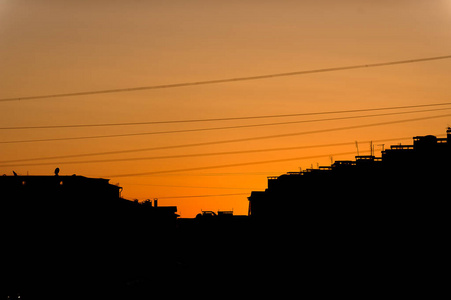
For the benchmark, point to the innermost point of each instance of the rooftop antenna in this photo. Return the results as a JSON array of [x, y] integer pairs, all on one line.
[[371, 148]]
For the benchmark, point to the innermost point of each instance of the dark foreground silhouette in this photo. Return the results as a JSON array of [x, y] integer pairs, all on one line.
[[372, 223], [72, 235], [360, 227]]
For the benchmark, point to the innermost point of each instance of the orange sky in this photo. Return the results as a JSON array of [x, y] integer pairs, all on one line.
[[51, 47]]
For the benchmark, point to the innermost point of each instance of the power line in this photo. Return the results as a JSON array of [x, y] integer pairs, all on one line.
[[179, 155], [267, 173], [227, 165], [199, 154], [222, 119], [191, 187], [216, 128], [278, 160], [203, 196], [217, 81], [231, 140]]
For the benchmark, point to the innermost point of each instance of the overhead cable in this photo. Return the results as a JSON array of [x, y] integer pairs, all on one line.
[[203, 196], [278, 160], [223, 119], [232, 140], [214, 128], [25, 163], [226, 165], [227, 80]]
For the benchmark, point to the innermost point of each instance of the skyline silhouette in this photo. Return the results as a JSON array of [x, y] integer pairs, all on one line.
[[391, 208], [172, 174], [137, 138], [137, 47], [403, 172]]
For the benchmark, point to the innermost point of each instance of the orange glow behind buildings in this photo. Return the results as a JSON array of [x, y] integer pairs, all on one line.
[[57, 47]]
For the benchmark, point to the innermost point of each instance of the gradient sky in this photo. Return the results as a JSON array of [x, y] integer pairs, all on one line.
[[51, 47]]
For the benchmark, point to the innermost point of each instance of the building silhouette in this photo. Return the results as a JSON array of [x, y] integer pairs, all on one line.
[[368, 224], [402, 176], [77, 235]]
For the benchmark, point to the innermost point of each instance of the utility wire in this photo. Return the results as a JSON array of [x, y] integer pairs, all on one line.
[[222, 119], [190, 186], [203, 196], [277, 160], [198, 154], [216, 128], [179, 155], [227, 165], [217, 81], [231, 140]]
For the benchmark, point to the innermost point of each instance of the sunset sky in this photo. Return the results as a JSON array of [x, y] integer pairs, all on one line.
[[57, 47]]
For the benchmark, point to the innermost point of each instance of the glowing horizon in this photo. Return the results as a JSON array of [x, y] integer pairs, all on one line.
[[51, 48]]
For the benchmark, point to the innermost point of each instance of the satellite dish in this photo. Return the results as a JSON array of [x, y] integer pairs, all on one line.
[[57, 171]]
